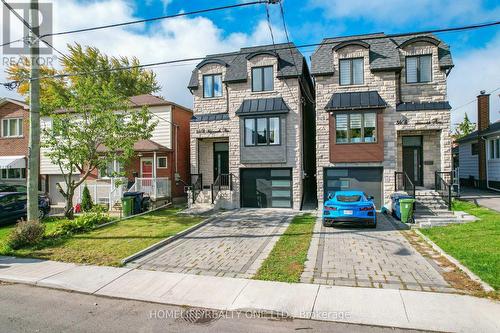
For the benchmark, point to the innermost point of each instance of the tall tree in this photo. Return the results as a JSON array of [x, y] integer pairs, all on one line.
[[464, 128], [92, 123]]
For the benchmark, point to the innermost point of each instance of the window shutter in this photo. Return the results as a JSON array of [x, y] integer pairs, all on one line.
[[411, 69], [345, 72]]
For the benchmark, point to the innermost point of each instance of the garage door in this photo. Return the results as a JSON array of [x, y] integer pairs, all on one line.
[[367, 179], [261, 188]]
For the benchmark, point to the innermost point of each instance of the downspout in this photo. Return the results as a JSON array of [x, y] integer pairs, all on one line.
[[227, 99]]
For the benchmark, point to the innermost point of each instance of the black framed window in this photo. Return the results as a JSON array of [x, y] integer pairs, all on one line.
[[474, 148], [419, 69], [356, 128], [262, 131], [262, 78], [351, 71], [212, 85]]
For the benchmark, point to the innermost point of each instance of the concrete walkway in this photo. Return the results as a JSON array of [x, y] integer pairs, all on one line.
[[384, 307], [489, 199]]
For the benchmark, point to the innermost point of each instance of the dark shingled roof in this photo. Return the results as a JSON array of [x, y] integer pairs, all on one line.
[[210, 117], [262, 106], [495, 127], [290, 64], [355, 101], [418, 106], [384, 53]]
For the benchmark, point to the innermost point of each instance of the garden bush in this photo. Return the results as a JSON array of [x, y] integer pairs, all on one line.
[[85, 222], [26, 233], [87, 203]]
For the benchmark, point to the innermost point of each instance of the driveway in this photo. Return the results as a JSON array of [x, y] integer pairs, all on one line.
[[380, 258], [234, 245], [489, 199]]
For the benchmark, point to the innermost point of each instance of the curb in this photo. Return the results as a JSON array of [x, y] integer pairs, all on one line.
[[167, 240], [469, 273], [132, 216]]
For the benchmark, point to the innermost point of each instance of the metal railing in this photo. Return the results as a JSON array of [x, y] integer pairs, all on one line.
[[443, 185], [196, 185], [118, 187], [223, 182], [154, 187], [403, 183]]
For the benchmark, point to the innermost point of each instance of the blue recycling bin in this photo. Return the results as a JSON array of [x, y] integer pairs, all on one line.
[[396, 206]]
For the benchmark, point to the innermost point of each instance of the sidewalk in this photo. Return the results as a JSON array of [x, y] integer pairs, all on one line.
[[384, 307]]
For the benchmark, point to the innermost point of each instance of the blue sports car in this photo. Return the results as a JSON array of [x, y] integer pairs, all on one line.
[[349, 207]]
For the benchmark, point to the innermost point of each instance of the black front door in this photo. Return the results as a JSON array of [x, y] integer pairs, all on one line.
[[412, 159], [221, 158]]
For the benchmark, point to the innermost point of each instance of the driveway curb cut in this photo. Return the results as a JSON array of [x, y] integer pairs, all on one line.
[[457, 263], [168, 240]]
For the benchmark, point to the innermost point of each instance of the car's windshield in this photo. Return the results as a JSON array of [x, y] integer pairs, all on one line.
[[348, 198]]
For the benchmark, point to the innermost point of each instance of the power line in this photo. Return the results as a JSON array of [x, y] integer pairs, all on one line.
[[470, 102], [460, 28]]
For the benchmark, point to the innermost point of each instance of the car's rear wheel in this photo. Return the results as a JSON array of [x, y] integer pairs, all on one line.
[[326, 224]]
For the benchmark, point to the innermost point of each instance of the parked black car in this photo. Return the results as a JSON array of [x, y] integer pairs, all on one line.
[[13, 207]]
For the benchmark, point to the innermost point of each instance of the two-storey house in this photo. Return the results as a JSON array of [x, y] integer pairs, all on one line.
[[160, 167], [252, 132], [382, 115], [14, 127]]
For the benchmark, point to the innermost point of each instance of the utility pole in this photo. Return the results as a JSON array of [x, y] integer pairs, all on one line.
[[34, 101]]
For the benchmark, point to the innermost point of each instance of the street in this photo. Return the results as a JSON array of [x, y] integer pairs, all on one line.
[[32, 309]]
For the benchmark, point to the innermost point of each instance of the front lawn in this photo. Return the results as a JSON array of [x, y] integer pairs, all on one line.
[[286, 261], [108, 245], [476, 244]]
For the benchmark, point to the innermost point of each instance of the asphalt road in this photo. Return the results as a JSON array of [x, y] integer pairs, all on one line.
[[32, 309]]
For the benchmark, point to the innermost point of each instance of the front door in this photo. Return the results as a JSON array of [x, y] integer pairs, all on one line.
[[221, 158], [146, 167], [412, 159]]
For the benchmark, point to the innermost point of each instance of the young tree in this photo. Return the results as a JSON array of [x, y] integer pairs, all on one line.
[[91, 120], [464, 128], [87, 203]]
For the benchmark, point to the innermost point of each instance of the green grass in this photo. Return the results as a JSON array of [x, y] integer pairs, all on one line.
[[286, 261], [476, 245], [50, 226], [108, 245]]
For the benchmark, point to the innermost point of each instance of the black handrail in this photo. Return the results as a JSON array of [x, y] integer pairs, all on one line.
[[403, 183], [222, 182], [196, 185], [443, 185]]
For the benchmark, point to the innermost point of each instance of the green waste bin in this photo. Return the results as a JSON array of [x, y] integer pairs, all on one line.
[[406, 210], [127, 205]]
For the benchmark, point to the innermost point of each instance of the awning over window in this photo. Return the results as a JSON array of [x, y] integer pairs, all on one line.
[[355, 101], [262, 106], [12, 162]]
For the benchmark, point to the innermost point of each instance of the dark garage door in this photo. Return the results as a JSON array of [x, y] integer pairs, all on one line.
[[367, 179], [261, 188]]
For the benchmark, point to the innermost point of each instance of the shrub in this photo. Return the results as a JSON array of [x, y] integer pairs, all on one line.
[[26, 233], [85, 222], [87, 203]]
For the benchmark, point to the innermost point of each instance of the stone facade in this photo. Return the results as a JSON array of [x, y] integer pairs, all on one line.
[[391, 85], [204, 133]]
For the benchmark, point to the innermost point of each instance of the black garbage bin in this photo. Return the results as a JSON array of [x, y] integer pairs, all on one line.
[[138, 198]]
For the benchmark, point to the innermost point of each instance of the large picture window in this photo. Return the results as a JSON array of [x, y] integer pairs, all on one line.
[[356, 128], [419, 69], [212, 85], [12, 127], [262, 131], [111, 169], [262, 78], [351, 71]]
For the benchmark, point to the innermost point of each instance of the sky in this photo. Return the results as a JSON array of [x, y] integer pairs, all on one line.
[[475, 53]]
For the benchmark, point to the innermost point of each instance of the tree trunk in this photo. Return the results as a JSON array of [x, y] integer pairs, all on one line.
[[68, 209]]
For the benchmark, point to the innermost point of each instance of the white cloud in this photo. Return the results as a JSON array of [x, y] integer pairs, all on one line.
[[475, 71], [395, 12], [177, 38]]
